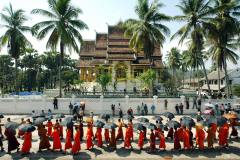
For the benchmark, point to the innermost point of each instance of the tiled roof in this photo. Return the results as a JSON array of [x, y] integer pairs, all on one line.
[[121, 56]]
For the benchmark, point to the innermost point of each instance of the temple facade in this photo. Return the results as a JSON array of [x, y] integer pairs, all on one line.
[[112, 50]]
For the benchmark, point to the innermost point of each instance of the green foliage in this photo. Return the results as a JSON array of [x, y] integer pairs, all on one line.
[[174, 59], [147, 78], [236, 90], [103, 77]]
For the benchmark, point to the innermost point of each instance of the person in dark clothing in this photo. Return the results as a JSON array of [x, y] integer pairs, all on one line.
[[177, 108], [120, 113], [146, 109], [55, 103], [199, 104], [194, 103], [181, 108], [113, 109], [187, 103], [70, 108]]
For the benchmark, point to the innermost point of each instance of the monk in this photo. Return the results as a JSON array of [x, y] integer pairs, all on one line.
[[76, 145], [89, 136], [106, 135], [60, 129], [81, 130], [120, 130], [200, 136], [152, 141], [56, 140], [177, 145], [99, 137], [141, 139], [223, 135], [233, 123], [157, 131], [180, 133], [1, 137], [113, 143], [186, 138], [127, 141], [190, 137], [68, 140], [170, 133], [131, 128], [49, 125], [27, 143], [12, 141], [162, 145], [214, 129], [210, 136], [21, 133], [44, 141]]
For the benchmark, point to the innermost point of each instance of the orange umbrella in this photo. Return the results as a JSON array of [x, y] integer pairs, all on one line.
[[230, 116], [89, 120]]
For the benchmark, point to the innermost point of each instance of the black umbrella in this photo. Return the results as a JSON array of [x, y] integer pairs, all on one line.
[[1, 116], [39, 120], [138, 126], [169, 115], [173, 124], [105, 116], [221, 121], [158, 118], [38, 115], [142, 119], [98, 124], [49, 117], [59, 116], [68, 119], [68, 124], [186, 118], [150, 126], [128, 117], [198, 117], [210, 119], [26, 128], [188, 122], [110, 126], [11, 125]]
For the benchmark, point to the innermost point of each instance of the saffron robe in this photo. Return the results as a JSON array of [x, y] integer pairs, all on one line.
[[186, 138], [200, 136], [120, 131], [210, 137], [162, 144], [214, 129], [152, 141], [89, 136], [27, 143], [12, 140], [106, 135], [234, 132], [131, 130], [127, 141], [170, 133], [223, 135], [180, 134], [49, 125], [56, 140], [61, 131], [177, 144], [99, 137], [76, 145], [113, 143], [141, 140], [44, 141], [68, 140]]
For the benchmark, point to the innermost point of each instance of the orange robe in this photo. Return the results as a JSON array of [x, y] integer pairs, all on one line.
[[170, 133], [210, 137], [200, 136], [127, 141], [49, 125], [177, 144], [76, 145], [68, 141], [162, 144], [61, 131], [120, 132], [27, 144], [152, 141], [99, 137], [89, 136], [214, 129], [106, 135], [180, 134], [223, 135], [56, 140], [131, 130], [141, 140], [186, 139]]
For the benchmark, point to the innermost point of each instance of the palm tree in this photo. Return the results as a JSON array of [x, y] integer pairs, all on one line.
[[63, 26], [13, 21], [184, 64], [147, 31], [174, 60], [195, 13], [223, 33]]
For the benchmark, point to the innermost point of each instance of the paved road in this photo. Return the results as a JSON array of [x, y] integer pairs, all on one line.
[[105, 153]]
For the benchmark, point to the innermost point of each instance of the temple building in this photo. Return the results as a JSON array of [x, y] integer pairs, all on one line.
[[112, 50]]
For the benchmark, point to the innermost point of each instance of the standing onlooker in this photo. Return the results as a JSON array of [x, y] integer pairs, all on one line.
[[199, 104], [165, 104], [146, 109], [222, 109], [83, 108], [142, 109], [153, 108], [187, 103], [130, 112], [120, 113], [181, 108], [194, 102], [113, 109], [177, 108], [138, 110], [55, 103], [70, 108]]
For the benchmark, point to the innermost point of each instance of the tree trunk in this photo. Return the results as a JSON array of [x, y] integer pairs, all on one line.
[[226, 77], [16, 76], [206, 77], [219, 88], [198, 81], [60, 68]]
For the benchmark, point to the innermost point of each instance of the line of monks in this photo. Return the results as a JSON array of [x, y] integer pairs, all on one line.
[[73, 142]]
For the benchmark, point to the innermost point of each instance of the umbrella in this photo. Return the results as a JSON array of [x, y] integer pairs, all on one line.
[[142, 119], [49, 117], [188, 122], [11, 125], [169, 115], [68, 124], [211, 119], [26, 128], [158, 118], [59, 116], [208, 112], [173, 124], [138, 126], [221, 121], [230, 116], [128, 117], [98, 124], [1, 116], [110, 126], [198, 117], [89, 120], [186, 118], [39, 120], [68, 119], [209, 105], [151, 126], [104, 116], [36, 115]]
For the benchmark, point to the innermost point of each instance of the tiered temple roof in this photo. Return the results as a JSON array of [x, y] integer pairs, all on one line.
[[114, 46]]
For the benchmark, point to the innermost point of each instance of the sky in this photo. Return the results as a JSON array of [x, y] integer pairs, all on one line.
[[96, 14]]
